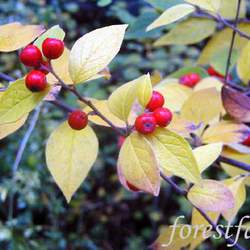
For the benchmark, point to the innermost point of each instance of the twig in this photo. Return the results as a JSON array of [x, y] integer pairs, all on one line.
[[238, 164], [6, 77], [22, 146], [183, 192], [62, 105]]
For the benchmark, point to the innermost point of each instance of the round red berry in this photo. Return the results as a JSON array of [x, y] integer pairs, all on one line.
[[145, 123], [246, 142], [190, 80], [52, 48], [132, 187], [156, 101], [36, 81], [163, 116], [78, 119], [31, 56]]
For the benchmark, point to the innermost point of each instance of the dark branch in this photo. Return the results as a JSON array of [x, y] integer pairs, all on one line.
[[235, 163]]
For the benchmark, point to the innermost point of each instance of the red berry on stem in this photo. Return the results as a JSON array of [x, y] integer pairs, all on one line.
[[163, 116], [190, 80], [36, 81], [132, 187], [156, 101], [145, 123], [78, 119], [31, 56], [246, 142], [52, 48]]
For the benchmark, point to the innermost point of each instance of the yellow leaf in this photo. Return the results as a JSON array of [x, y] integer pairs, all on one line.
[[94, 51], [121, 100], [210, 5], [225, 132], [175, 95], [202, 106], [14, 36], [144, 90], [243, 64], [174, 155], [171, 15], [9, 128], [209, 82], [221, 41], [70, 155], [138, 165], [206, 155], [228, 9], [211, 196], [102, 106], [238, 190], [17, 101], [191, 31]]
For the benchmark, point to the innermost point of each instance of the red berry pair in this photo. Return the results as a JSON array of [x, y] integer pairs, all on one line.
[[190, 80], [147, 122], [31, 56]]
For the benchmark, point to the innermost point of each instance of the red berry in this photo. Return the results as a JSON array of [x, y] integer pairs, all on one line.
[[78, 119], [31, 56], [52, 48], [190, 80], [132, 187], [156, 101], [246, 142], [145, 123], [163, 116], [36, 81]]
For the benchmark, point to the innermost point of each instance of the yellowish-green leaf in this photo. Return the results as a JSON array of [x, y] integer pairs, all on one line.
[[209, 82], [144, 90], [17, 101], [211, 196], [94, 51], [202, 106], [121, 100], [174, 155], [9, 128], [175, 95], [206, 155], [210, 5], [102, 106], [138, 165], [14, 36], [70, 155], [221, 41], [171, 15], [238, 190], [228, 9], [188, 32], [243, 64], [225, 132]]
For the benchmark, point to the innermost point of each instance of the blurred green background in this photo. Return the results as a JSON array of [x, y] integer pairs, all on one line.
[[102, 214]]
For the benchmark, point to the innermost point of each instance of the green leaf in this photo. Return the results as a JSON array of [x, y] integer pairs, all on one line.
[[70, 155], [191, 31], [243, 64]]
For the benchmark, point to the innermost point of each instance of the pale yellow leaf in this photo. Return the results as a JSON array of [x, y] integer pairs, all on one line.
[[191, 31], [138, 165], [144, 90], [209, 82], [210, 5], [211, 196], [238, 190], [9, 128], [228, 9], [14, 36], [206, 155], [17, 101], [174, 154], [202, 106], [243, 64], [175, 95], [171, 15], [225, 132], [70, 155], [94, 51]]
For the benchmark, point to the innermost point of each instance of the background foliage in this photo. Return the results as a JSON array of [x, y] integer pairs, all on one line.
[[102, 215]]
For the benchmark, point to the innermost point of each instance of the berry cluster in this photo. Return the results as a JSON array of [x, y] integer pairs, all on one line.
[[155, 115], [31, 56]]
